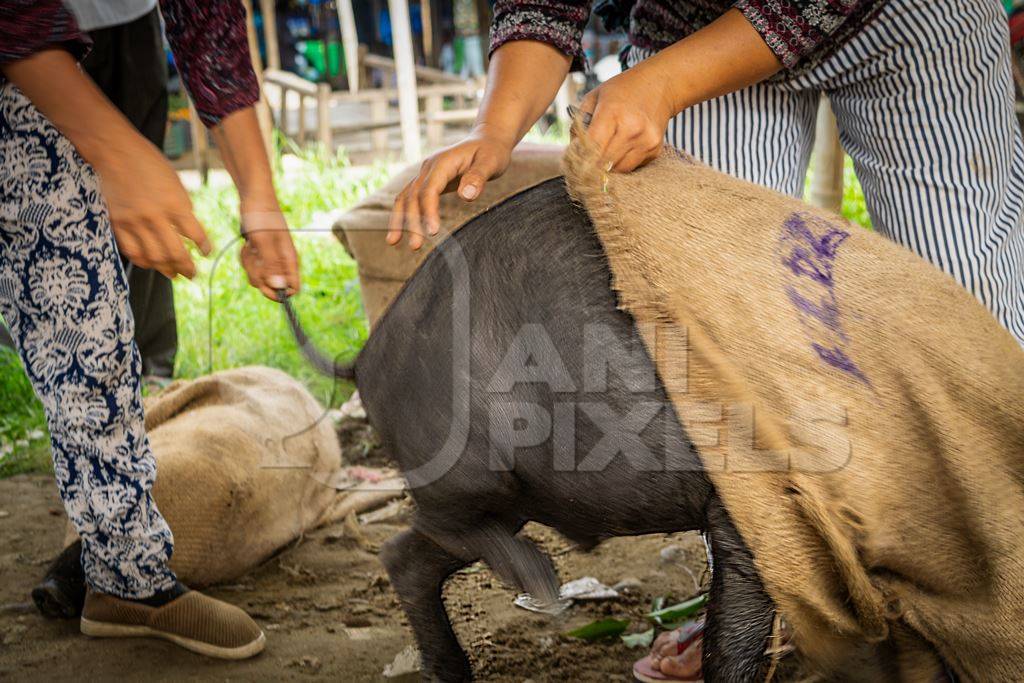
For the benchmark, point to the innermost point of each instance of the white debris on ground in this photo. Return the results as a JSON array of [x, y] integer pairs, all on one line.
[[352, 408], [584, 588], [406, 663], [389, 512], [587, 588]]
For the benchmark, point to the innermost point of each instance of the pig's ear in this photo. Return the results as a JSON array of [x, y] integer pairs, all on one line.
[[517, 561]]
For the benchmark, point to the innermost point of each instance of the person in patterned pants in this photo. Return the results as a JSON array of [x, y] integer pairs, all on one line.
[[77, 182]]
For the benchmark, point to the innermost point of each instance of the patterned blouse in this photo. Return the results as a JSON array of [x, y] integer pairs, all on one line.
[[208, 38], [800, 32]]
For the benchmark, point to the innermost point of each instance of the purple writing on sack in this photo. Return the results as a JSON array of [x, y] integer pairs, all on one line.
[[808, 246]]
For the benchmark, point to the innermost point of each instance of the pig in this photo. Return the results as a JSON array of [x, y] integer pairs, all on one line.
[[509, 387]]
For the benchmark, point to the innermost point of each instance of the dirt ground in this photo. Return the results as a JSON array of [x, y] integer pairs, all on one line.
[[329, 612]]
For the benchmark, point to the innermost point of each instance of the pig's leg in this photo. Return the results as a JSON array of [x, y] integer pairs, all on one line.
[[418, 568], [740, 613], [61, 593]]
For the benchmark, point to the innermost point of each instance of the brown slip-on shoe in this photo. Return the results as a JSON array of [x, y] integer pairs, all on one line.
[[193, 621]]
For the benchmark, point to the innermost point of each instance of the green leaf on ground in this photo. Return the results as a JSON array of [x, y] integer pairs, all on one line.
[[669, 616], [602, 628], [643, 639]]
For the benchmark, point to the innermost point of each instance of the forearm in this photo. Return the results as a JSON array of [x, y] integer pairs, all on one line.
[[67, 97], [723, 57], [241, 147], [522, 80]]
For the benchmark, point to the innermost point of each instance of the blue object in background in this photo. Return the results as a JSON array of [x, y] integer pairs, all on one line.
[[384, 23]]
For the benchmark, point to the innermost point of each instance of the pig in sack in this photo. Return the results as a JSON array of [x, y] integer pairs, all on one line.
[[247, 461], [691, 351]]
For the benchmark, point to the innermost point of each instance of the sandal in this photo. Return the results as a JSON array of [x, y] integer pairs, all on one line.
[[646, 670]]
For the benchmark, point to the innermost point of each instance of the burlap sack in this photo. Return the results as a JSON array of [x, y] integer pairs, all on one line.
[[861, 415], [246, 463], [383, 269]]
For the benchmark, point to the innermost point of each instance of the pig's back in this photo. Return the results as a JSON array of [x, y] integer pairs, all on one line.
[[529, 272]]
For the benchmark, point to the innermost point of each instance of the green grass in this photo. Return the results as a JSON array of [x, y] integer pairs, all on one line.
[[23, 442], [224, 323], [854, 207]]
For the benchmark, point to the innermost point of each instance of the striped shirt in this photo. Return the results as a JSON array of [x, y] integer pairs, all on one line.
[[800, 32]]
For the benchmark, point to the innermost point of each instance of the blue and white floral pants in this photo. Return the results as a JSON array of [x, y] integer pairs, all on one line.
[[64, 297]]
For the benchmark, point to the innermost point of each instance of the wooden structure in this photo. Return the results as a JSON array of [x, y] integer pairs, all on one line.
[[432, 88], [402, 66], [826, 188]]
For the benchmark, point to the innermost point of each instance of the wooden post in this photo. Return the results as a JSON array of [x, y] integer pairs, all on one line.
[[269, 13], [483, 13], [435, 128], [323, 117], [405, 72], [826, 188], [302, 119], [428, 32], [350, 43], [364, 70], [562, 102], [200, 145], [262, 110], [378, 113], [282, 111]]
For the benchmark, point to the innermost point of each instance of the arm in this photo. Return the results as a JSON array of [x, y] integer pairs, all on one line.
[[744, 46], [534, 43], [148, 207], [797, 29], [268, 255], [28, 26], [631, 111], [211, 48], [523, 78]]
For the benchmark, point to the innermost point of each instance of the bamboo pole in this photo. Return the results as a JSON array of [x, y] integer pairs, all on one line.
[[200, 144], [349, 42], [323, 118], [826, 189], [408, 103], [435, 127], [483, 12], [262, 110], [378, 115], [269, 13], [428, 31]]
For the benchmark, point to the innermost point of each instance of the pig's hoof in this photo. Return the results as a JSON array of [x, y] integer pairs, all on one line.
[[57, 601]]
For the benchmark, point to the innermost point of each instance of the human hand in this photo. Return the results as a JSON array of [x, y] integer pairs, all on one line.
[[268, 254], [473, 162], [149, 209], [628, 117]]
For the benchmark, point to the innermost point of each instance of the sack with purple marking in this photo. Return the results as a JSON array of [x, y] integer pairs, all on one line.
[[860, 414]]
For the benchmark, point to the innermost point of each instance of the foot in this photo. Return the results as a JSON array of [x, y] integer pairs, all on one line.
[[675, 656], [61, 593], [186, 618]]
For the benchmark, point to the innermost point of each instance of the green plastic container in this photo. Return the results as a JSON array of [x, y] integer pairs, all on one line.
[[314, 51]]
